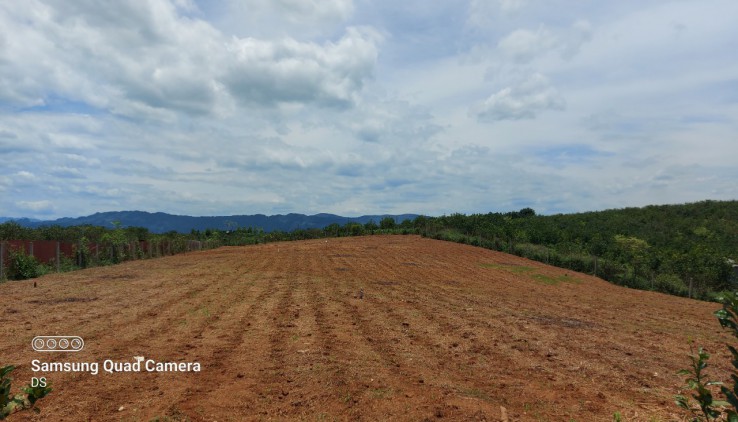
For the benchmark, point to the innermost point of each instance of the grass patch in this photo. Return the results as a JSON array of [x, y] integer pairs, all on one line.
[[381, 393], [346, 398], [545, 279], [201, 310], [475, 393], [515, 269], [531, 272]]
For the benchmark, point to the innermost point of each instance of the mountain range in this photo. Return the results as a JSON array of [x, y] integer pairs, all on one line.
[[160, 222]]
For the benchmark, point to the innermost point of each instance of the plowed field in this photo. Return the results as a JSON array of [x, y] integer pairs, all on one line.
[[368, 328]]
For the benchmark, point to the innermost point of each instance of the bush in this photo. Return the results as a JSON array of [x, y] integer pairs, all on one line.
[[23, 266], [707, 408], [10, 404], [670, 283]]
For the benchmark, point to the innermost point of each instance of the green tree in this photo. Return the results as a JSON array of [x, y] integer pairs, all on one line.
[[634, 250], [387, 223], [116, 239], [371, 226]]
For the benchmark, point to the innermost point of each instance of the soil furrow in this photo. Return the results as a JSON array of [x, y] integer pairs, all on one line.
[[372, 328]]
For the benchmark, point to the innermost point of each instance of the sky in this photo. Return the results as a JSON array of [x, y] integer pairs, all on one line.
[[358, 107]]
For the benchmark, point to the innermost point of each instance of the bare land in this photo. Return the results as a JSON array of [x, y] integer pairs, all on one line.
[[443, 332]]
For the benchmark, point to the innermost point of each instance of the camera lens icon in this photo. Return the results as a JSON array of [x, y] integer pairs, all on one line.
[[57, 343], [77, 344], [39, 343]]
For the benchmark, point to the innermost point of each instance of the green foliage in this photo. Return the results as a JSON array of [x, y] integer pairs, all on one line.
[[387, 223], [671, 283], [103, 246], [83, 255], [727, 316], [117, 239], [643, 248], [9, 403], [23, 266], [371, 226], [707, 407]]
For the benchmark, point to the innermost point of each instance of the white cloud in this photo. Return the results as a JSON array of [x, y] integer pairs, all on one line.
[[521, 101], [282, 106], [37, 207], [147, 60], [25, 175], [300, 11], [480, 12], [523, 45], [270, 19], [65, 172], [264, 72]]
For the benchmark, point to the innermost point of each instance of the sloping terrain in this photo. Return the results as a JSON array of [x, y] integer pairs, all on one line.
[[443, 332]]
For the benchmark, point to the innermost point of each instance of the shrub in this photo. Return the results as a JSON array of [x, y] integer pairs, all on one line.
[[708, 408], [670, 283], [23, 266], [26, 400]]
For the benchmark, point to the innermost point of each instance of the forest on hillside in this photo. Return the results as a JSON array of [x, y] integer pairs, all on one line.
[[687, 250], [666, 248]]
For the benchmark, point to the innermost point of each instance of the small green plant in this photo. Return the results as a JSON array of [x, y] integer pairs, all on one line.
[[617, 417], [381, 393], [10, 404], [708, 408], [728, 318]]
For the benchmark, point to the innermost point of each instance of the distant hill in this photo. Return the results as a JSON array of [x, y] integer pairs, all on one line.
[[21, 221], [161, 222]]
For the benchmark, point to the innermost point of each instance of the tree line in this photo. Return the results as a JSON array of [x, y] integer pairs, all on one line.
[[97, 245], [687, 250]]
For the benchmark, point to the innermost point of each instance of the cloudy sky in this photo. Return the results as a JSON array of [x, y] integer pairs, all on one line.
[[361, 107]]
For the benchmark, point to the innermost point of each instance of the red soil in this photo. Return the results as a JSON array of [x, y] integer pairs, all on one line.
[[443, 332]]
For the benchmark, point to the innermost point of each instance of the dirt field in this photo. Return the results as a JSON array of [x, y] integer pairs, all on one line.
[[443, 332]]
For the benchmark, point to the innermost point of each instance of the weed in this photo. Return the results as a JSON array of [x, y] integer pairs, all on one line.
[[381, 393], [26, 400], [476, 393], [697, 381], [708, 408]]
